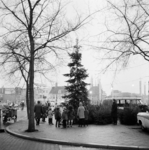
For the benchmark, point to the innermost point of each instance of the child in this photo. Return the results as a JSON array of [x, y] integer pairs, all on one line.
[[50, 115]]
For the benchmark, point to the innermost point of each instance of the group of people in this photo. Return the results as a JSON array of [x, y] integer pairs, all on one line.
[[68, 114], [41, 111], [63, 117]]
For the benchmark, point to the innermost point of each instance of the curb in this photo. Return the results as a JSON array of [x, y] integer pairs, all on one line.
[[88, 145]]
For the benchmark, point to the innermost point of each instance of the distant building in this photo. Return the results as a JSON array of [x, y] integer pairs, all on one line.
[[41, 94], [116, 93], [96, 95], [56, 95], [9, 95]]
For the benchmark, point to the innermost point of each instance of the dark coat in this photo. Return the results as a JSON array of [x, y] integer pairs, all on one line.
[[71, 114], [57, 114], [114, 109], [38, 110]]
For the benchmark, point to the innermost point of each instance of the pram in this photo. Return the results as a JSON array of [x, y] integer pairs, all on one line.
[[9, 113]]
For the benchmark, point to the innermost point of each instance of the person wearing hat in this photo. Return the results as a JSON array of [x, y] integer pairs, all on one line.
[[38, 112]]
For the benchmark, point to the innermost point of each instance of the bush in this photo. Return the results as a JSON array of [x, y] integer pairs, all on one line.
[[100, 114], [129, 115]]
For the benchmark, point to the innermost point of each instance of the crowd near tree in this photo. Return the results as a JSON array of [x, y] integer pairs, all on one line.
[[64, 118]]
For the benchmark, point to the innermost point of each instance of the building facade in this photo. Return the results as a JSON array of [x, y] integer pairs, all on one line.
[[56, 95], [12, 95]]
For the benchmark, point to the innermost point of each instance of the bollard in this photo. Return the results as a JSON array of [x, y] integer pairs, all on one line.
[[1, 123]]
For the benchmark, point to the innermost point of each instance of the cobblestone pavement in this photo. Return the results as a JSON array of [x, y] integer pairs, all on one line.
[[9, 142]]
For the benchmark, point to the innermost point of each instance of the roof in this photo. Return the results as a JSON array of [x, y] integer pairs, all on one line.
[[55, 90]]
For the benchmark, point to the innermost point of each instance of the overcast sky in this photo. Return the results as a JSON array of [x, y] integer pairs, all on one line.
[[126, 80]]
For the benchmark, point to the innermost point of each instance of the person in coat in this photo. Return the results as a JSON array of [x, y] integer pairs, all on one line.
[[64, 117], [114, 112], [70, 115], [50, 116], [57, 117], [38, 112], [81, 114], [44, 112]]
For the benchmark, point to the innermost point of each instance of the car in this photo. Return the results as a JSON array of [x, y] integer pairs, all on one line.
[[143, 120]]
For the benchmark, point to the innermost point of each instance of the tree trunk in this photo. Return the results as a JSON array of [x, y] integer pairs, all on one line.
[[31, 123], [27, 100]]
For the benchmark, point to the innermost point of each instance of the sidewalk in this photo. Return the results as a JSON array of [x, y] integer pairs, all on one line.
[[95, 136]]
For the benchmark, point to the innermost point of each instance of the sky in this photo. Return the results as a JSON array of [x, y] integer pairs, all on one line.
[[127, 80]]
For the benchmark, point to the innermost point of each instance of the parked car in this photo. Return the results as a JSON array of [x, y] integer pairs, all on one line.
[[143, 120]]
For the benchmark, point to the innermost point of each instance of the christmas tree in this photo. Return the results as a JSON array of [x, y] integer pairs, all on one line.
[[76, 88]]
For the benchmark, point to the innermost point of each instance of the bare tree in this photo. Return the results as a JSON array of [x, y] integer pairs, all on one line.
[[32, 31], [127, 31]]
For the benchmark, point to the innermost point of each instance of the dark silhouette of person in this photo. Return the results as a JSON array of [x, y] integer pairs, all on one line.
[[57, 117], [114, 112], [38, 112]]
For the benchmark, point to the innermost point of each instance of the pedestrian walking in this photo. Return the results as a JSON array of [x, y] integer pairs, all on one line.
[[86, 116], [44, 112], [114, 112], [81, 114], [38, 112], [57, 117], [50, 116]]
